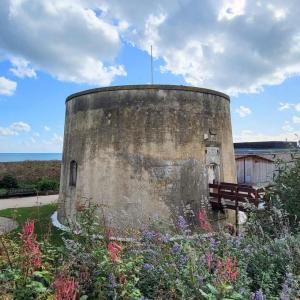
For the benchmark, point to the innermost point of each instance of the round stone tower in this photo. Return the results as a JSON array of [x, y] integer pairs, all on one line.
[[142, 151]]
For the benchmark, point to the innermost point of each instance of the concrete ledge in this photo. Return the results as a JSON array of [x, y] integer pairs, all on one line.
[[149, 87]]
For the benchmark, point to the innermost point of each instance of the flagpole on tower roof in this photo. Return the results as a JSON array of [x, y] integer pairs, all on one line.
[[151, 66]]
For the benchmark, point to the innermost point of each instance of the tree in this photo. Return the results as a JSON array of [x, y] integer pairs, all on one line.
[[287, 187]]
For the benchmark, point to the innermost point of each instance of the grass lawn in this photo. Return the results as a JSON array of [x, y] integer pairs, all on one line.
[[41, 215]]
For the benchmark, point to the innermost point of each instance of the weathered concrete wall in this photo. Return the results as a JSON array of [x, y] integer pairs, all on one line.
[[144, 150], [31, 171]]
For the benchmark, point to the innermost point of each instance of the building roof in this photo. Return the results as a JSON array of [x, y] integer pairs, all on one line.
[[254, 156], [266, 145], [269, 147]]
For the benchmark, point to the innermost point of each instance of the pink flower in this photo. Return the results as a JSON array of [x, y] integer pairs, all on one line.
[[209, 260], [219, 264], [28, 229], [203, 222], [31, 248], [227, 272], [65, 288], [114, 249]]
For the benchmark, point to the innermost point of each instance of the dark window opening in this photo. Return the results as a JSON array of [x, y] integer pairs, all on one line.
[[73, 173]]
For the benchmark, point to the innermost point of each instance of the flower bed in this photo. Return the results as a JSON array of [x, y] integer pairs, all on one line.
[[259, 264]]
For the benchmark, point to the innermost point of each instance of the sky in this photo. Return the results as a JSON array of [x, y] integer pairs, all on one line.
[[50, 49]]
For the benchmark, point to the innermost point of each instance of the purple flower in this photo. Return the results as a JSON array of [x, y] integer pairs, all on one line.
[[148, 267], [213, 244], [258, 295], [165, 238], [182, 259], [200, 279], [285, 293], [112, 281], [149, 235], [176, 248], [203, 259], [181, 223]]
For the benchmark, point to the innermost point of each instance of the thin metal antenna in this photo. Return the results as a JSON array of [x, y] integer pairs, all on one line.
[[151, 66]]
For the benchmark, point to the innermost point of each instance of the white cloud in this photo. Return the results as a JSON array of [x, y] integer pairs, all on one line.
[[243, 111], [296, 119], [279, 13], [250, 136], [287, 127], [7, 87], [233, 46], [58, 138], [232, 9], [7, 131], [54, 143], [21, 68], [46, 128], [64, 38], [20, 126], [284, 106], [14, 129], [297, 107]]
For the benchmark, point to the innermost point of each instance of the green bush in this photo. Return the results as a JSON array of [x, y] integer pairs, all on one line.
[[262, 263], [25, 185], [175, 265], [287, 188], [9, 182], [46, 184], [3, 192]]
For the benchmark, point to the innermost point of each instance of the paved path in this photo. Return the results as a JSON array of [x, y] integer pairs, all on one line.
[[27, 201], [7, 225]]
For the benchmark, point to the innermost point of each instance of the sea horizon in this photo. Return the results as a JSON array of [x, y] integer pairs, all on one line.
[[19, 156]]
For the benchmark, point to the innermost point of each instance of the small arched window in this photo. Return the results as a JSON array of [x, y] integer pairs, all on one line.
[[73, 173]]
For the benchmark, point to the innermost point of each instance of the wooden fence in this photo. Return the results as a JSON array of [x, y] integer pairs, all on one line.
[[234, 196]]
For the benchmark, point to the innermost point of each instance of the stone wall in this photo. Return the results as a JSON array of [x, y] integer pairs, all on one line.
[[144, 151], [31, 171]]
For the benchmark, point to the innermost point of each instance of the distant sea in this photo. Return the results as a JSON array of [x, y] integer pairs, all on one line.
[[6, 157]]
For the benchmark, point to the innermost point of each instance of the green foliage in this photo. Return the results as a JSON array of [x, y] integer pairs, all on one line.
[[287, 187], [41, 215], [3, 192], [8, 182], [262, 263], [46, 184]]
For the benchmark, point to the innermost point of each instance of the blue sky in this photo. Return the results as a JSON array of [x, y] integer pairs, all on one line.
[[247, 49]]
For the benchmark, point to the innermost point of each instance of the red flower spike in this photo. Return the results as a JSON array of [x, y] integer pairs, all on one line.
[[228, 271], [31, 248], [203, 222], [114, 249], [209, 260], [28, 229], [65, 288]]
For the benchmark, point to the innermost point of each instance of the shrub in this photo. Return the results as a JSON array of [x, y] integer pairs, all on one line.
[[92, 265], [263, 262], [46, 184], [9, 182], [3, 192], [287, 187]]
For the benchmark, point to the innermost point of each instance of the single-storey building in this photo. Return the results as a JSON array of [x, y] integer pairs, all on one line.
[[258, 162]]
